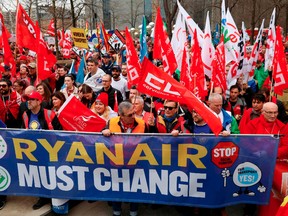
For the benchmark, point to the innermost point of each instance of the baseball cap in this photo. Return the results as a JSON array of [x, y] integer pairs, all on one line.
[[106, 55], [33, 95], [116, 67], [32, 65], [103, 98], [23, 57]]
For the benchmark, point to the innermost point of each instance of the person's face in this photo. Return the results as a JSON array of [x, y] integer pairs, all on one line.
[[133, 93], [61, 72], [40, 89], [87, 96], [99, 107], [33, 104], [23, 71], [106, 60], [115, 74], [32, 71], [196, 117], [106, 81], [68, 82], [124, 70], [234, 93], [270, 114], [257, 105], [4, 89], [17, 87], [170, 109], [92, 67], [128, 116], [138, 106], [56, 102], [216, 105]]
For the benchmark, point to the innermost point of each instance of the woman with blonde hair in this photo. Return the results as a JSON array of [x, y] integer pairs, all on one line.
[[101, 108]]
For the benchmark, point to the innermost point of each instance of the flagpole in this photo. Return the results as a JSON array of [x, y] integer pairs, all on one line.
[[271, 86]]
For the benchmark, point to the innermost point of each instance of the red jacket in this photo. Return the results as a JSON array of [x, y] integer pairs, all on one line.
[[261, 126]]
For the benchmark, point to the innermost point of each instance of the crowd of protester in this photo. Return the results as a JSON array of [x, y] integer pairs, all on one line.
[[30, 103]]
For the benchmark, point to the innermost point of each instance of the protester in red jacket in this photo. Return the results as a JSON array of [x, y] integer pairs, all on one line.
[[268, 123]]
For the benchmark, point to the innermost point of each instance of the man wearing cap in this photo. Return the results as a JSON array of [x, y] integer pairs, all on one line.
[[118, 82], [36, 117], [94, 76], [106, 63]]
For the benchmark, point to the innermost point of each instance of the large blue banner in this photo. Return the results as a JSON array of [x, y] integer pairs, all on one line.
[[204, 170]]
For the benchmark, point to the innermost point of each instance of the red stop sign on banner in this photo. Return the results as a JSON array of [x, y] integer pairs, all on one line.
[[224, 154]]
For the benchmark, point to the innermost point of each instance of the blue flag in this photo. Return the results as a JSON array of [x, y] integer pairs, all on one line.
[[72, 68], [216, 35], [80, 74], [143, 42]]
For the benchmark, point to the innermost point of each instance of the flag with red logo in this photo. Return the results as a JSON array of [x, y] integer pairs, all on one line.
[[8, 56], [45, 58], [157, 83], [75, 116], [65, 44], [51, 28], [133, 63], [162, 47], [198, 85], [270, 45], [25, 30], [283, 209], [280, 75], [218, 67]]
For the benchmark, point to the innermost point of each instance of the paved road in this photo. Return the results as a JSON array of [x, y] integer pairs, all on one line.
[[22, 206]]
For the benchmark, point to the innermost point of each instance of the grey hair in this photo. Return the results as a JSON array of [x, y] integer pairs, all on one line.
[[214, 96], [141, 100], [124, 105]]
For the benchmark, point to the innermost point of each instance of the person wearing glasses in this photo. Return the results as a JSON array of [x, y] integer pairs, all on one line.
[[9, 107], [268, 123], [126, 122], [169, 121]]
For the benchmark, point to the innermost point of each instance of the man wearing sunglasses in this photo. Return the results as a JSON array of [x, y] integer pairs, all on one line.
[[9, 107], [126, 122], [9, 104], [170, 121]]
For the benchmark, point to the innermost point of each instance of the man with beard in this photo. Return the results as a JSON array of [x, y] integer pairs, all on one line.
[[118, 82], [9, 104], [9, 107], [32, 74]]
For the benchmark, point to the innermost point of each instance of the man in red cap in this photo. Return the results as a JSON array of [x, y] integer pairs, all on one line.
[[36, 117]]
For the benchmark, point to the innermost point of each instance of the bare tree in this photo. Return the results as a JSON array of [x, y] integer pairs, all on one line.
[[170, 12]]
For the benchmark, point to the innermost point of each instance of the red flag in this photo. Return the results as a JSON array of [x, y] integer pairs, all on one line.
[[51, 28], [116, 102], [106, 37], [65, 44], [185, 78], [218, 67], [162, 47], [283, 209], [197, 86], [280, 75], [25, 30], [45, 58], [157, 83], [133, 63], [8, 56], [75, 116]]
